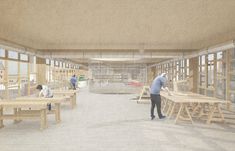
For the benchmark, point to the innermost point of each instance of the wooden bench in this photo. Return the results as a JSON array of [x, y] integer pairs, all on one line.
[[69, 94], [18, 116], [144, 94], [188, 104], [54, 101]]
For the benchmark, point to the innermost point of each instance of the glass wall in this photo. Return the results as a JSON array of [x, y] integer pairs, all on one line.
[[232, 76], [220, 82], [2, 74]]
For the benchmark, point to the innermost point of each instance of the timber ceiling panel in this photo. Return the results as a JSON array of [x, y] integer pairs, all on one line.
[[117, 24]]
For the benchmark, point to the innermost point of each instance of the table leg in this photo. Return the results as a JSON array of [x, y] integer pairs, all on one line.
[[179, 112], [16, 115], [75, 99], [45, 118], [169, 108], [221, 113], [42, 117], [187, 111], [195, 109], [57, 112], [212, 111], [172, 110], [166, 103], [1, 117]]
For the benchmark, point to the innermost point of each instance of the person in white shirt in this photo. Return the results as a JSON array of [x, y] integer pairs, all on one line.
[[45, 92]]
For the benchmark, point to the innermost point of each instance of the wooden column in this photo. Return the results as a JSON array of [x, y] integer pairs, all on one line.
[[206, 68], [228, 78], [215, 75], [193, 74], [6, 80], [41, 70], [19, 79], [28, 73]]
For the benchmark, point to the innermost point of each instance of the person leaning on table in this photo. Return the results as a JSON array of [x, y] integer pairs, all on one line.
[[45, 92], [158, 83]]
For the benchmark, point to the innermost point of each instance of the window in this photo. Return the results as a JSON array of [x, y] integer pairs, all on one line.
[[2, 52], [2, 80], [47, 61], [13, 78], [202, 74], [67, 65], [56, 63], [12, 55], [23, 78], [232, 75], [210, 67], [52, 63], [24, 57], [221, 75]]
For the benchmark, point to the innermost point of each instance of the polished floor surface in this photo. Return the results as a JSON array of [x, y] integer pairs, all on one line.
[[107, 122]]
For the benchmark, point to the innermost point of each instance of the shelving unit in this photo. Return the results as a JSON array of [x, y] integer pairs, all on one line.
[[115, 78]]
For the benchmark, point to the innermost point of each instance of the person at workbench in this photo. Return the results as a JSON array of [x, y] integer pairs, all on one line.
[[158, 83], [73, 81], [45, 92]]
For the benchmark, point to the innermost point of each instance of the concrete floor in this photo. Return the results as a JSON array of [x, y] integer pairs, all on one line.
[[114, 122]]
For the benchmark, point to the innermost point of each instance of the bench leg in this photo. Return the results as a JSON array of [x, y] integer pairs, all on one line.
[[72, 102], [187, 111], [165, 105], [1, 117], [179, 112], [43, 119], [57, 112], [172, 110], [221, 113], [17, 114], [171, 104], [215, 108], [75, 99], [211, 114]]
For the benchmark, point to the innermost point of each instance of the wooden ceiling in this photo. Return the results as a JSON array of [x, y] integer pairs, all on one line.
[[117, 24]]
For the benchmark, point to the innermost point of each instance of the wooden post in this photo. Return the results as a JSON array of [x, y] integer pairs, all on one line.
[[29, 76], [228, 78], [41, 70], [19, 79], [6, 78], [215, 75], [193, 74], [206, 75], [1, 120]]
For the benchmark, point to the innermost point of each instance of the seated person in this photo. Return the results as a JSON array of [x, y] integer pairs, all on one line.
[[45, 92]]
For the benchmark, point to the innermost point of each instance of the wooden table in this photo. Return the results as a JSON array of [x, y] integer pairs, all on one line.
[[67, 93], [17, 116], [55, 100], [193, 101]]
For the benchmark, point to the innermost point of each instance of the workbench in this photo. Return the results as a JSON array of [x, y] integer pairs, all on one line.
[[186, 106], [40, 112], [54, 101], [71, 95]]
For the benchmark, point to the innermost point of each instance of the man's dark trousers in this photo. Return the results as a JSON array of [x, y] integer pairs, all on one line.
[[156, 100]]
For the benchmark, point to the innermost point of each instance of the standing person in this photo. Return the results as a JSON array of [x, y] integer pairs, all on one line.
[[73, 81], [158, 83], [45, 92]]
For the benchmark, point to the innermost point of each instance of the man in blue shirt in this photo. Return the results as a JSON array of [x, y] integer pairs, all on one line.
[[158, 83], [73, 81]]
